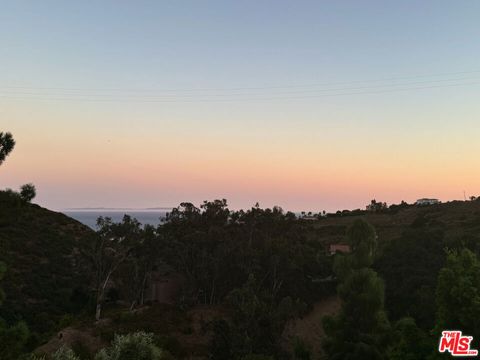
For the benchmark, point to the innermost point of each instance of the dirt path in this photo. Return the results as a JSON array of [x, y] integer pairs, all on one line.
[[72, 337], [309, 329]]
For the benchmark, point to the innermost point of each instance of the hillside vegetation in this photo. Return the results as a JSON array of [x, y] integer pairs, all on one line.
[[44, 280], [253, 283]]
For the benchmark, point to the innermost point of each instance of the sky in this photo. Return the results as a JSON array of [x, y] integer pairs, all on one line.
[[309, 105]]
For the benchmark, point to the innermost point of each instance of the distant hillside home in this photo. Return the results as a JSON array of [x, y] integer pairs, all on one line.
[[338, 248], [426, 201], [309, 218]]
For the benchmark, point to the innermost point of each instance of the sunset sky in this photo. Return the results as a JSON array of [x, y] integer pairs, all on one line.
[[310, 105]]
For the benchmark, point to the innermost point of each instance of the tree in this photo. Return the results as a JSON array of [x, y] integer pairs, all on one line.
[[138, 346], [256, 325], [110, 249], [7, 143], [198, 246], [12, 340], [458, 293], [360, 330], [28, 192], [362, 239], [376, 206], [138, 267], [411, 343], [410, 265]]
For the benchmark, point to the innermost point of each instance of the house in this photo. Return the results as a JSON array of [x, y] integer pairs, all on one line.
[[426, 201], [338, 248]]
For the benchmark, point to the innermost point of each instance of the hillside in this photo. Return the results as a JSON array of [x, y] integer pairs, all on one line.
[[455, 219], [44, 279]]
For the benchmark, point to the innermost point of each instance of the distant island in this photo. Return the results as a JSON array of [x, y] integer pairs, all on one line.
[[118, 209]]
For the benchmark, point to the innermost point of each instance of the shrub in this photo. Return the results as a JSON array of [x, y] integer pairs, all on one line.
[[28, 192], [138, 346], [65, 353]]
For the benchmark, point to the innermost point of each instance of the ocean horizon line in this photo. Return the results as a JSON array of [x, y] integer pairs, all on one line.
[[117, 209]]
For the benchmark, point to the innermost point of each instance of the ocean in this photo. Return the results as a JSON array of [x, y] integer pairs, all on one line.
[[89, 217]]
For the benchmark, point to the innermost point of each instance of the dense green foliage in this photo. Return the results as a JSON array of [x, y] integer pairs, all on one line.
[[410, 264], [260, 263], [458, 294], [409, 342], [45, 277], [28, 192], [361, 328], [7, 143], [65, 353], [218, 250], [134, 346], [256, 325], [399, 285], [137, 346], [256, 269]]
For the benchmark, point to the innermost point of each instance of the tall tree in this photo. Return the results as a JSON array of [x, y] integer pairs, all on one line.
[[458, 294], [363, 243], [257, 321], [7, 143], [410, 265], [360, 330], [137, 269], [109, 250]]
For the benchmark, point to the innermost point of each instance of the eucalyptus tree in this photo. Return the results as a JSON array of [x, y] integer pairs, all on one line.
[[7, 143], [112, 246]]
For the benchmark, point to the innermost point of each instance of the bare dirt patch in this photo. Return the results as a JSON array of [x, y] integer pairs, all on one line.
[[309, 328]]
